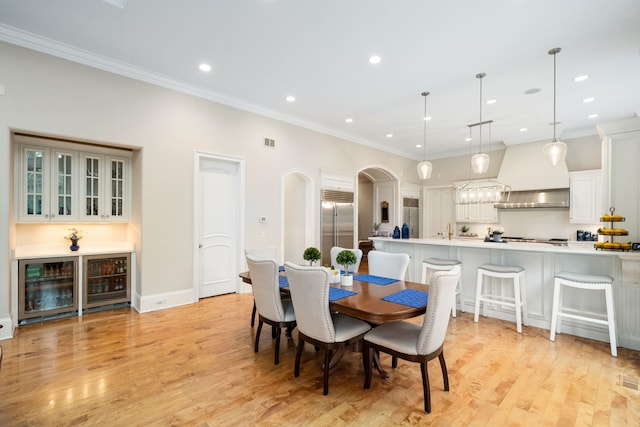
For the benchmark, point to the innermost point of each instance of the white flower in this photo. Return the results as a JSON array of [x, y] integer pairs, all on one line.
[[73, 234]]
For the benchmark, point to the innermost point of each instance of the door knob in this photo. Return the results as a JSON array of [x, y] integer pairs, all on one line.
[[200, 246]]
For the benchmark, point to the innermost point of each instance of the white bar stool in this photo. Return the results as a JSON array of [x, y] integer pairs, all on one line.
[[588, 282], [519, 302], [430, 265]]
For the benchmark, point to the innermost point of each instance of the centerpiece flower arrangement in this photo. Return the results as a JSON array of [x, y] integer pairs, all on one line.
[[74, 235]]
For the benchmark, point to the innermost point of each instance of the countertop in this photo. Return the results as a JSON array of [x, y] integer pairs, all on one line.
[[62, 250], [580, 248]]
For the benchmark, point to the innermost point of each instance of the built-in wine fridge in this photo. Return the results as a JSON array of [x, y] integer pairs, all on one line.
[[47, 287], [107, 280]]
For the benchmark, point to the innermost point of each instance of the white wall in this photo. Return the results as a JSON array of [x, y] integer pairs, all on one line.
[[53, 96]]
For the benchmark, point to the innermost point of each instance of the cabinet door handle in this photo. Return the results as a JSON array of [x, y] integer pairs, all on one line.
[[46, 215], [200, 246]]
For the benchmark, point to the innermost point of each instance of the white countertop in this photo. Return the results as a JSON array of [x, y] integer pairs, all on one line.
[[62, 249], [581, 248]]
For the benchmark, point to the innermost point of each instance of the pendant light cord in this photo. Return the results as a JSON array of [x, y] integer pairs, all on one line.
[[553, 52], [480, 76], [424, 124]]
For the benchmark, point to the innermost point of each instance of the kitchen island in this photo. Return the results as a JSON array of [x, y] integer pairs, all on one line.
[[541, 262]]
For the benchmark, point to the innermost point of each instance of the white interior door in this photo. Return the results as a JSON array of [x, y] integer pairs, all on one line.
[[218, 225]]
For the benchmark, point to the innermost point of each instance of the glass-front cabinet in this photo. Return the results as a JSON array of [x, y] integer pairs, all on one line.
[[104, 188], [47, 287], [48, 184], [57, 182], [107, 280]]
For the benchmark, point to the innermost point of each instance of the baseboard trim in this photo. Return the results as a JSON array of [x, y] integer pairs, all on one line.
[[165, 300]]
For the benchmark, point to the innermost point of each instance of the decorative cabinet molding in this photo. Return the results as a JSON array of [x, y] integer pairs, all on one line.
[[585, 189], [477, 213], [62, 182]]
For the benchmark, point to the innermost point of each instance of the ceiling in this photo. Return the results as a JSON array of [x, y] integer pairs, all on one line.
[[264, 50]]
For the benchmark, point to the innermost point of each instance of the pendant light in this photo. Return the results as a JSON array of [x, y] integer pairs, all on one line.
[[424, 167], [556, 150], [480, 160]]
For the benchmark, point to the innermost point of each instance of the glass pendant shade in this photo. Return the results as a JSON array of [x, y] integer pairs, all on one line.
[[480, 162], [554, 152], [424, 169]]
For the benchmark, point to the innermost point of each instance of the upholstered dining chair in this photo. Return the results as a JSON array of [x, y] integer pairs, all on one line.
[[417, 343], [317, 325], [386, 264], [352, 268], [272, 309], [261, 253]]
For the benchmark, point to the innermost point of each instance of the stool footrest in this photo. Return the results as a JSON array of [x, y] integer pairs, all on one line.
[[585, 318]]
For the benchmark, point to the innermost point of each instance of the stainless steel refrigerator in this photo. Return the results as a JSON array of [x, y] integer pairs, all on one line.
[[411, 216], [337, 222]]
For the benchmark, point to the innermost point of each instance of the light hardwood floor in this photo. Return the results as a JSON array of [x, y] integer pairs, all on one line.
[[194, 366]]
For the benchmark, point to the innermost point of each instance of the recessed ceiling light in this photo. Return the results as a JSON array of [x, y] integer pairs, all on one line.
[[592, 116], [349, 120], [581, 78], [205, 67], [418, 145], [375, 59], [587, 100], [531, 91], [523, 129], [467, 139], [427, 118], [389, 135], [491, 101], [290, 98]]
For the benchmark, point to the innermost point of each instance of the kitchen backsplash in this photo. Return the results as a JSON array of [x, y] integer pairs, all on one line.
[[538, 223]]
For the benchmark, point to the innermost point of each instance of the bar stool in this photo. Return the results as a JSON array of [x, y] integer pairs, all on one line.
[[587, 282], [430, 265], [519, 302]]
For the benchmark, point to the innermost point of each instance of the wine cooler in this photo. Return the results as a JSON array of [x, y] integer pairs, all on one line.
[[47, 287], [107, 280]]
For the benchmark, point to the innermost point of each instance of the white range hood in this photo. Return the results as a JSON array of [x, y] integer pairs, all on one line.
[[524, 168]]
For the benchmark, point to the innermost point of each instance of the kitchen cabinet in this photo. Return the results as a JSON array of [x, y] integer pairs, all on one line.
[[47, 184], [585, 188], [483, 213], [439, 212], [104, 188], [54, 181]]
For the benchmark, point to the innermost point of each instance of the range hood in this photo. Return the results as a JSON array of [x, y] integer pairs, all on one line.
[[555, 198], [534, 182]]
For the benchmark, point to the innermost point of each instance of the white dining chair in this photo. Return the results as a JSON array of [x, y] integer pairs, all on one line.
[[386, 264], [317, 325], [261, 253], [418, 343], [272, 309]]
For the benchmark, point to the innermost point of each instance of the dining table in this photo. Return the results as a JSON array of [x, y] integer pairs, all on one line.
[[368, 299]]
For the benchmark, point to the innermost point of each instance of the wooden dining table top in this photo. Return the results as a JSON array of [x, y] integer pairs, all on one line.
[[367, 304]]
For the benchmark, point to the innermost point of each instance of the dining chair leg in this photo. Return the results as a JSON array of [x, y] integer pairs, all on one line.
[[253, 314], [276, 357], [296, 369], [258, 335], [425, 387], [394, 362], [445, 375], [327, 362], [273, 331], [367, 358]]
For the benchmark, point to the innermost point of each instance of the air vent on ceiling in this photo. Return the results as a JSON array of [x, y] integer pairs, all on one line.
[[270, 143]]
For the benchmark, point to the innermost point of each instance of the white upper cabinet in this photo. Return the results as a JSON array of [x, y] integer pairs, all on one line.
[[54, 182], [104, 188], [47, 185], [585, 206]]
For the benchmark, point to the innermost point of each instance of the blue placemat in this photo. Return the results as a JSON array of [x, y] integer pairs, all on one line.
[[337, 293], [376, 280], [284, 283], [409, 297], [281, 268]]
